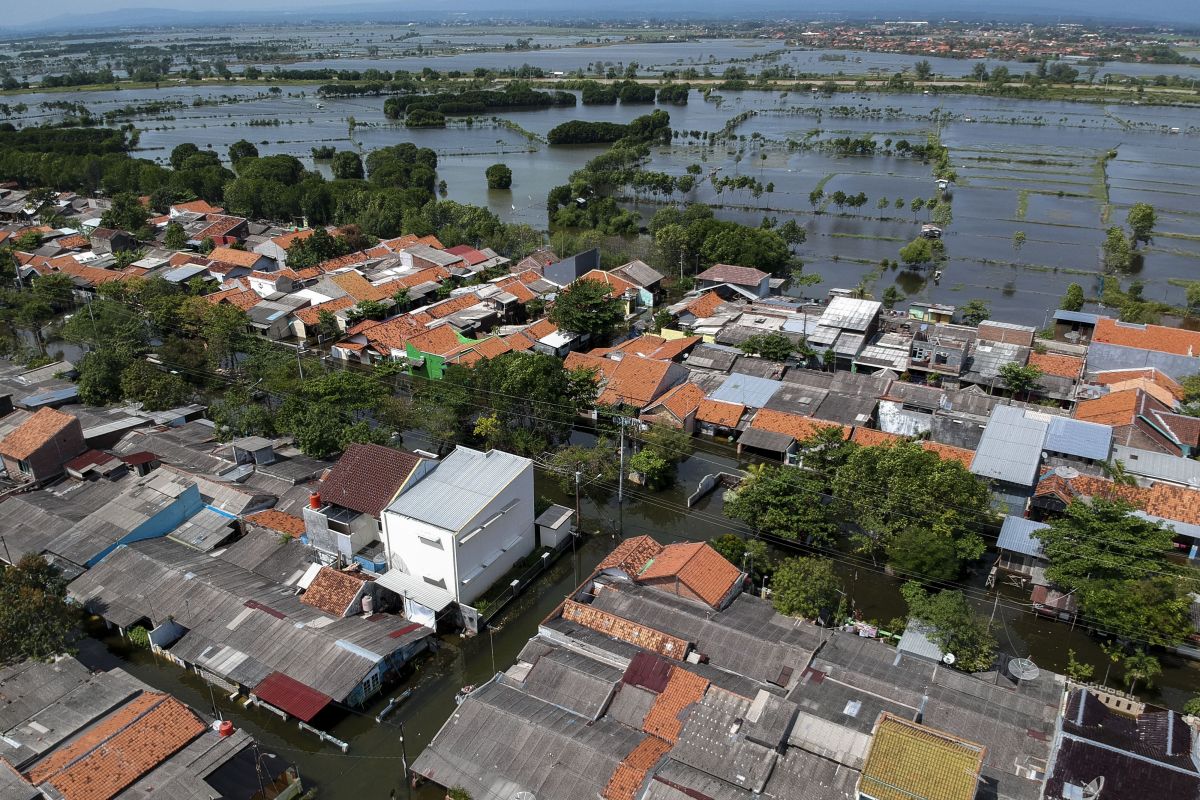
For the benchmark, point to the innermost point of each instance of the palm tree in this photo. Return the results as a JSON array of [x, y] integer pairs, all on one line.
[[1141, 667]]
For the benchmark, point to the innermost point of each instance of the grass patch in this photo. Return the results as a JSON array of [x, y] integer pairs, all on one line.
[[867, 236], [1187, 237], [1022, 204]]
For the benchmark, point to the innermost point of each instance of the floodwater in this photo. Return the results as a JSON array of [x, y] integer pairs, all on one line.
[[1035, 193], [373, 765]]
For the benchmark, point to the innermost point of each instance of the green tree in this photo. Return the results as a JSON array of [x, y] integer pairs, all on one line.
[[127, 214], [1115, 564], [807, 587], [99, 380], [1020, 379], [955, 627], [176, 238], [876, 488], [587, 306], [1117, 254], [917, 252], [662, 448], [923, 70], [1192, 707], [241, 150], [975, 312], [534, 398], [1078, 671], [1141, 219], [891, 296], [744, 552], [347, 165], [793, 233], [783, 501], [36, 622], [1074, 299], [499, 176], [598, 466], [154, 389], [919, 552], [774, 346], [1140, 666]]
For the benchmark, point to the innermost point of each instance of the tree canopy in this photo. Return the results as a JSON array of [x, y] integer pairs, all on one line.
[[587, 306], [806, 587], [956, 628], [35, 619]]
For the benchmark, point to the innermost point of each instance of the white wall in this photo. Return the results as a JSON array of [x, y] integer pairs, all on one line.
[[477, 557]]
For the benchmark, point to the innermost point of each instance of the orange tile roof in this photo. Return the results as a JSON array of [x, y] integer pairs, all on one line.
[[439, 341], [794, 425], [630, 774], [705, 305], [35, 432], [625, 630], [278, 521], [119, 749], [541, 329], [1158, 338], [697, 566], [333, 590], [948, 452], [631, 555], [218, 226], [391, 335], [634, 381], [491, 347], [517, 289], [430, 275], [453, 305], [719, 412], [245, 299], [93, 275], [358, 287], [1118, 376], [196, 207], [869, 437], [617, 285], [1059, 365], [409, 240], [664, 719], [1114, 408], [240, 258], [601, 366], [73, 242], [521, 342], [286, 240], [731, 273], [652, 346], [683, 400], [1160, 393], [348, 260], [312, 314]]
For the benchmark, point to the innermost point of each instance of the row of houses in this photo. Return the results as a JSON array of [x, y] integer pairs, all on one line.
[[660, 678]]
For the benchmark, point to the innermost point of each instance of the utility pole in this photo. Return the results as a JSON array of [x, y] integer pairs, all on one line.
[[404, 763], [621, 476], [575, 532], [299, 361]]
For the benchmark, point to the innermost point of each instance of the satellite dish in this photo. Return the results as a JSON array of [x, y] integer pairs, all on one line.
[[1093, 789], [1023, 669], [948, 658]]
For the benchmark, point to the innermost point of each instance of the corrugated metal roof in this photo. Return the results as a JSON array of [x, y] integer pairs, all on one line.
[[1075, 437], [1018, 535], [1062, 315], [459, 487], [1011, 447], [1102, 357], [416, 589], [747, 390], [289, 695], [916, 641], [1148, 464], [1182, 528], [850, 314]]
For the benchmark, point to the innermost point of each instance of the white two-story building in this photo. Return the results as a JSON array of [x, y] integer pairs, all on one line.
[[463, 524]]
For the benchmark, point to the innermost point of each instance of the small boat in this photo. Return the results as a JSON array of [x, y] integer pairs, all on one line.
[[391, 706], [462, 694], [937, 276]]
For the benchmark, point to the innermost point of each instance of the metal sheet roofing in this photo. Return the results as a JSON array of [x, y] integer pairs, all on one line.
[[1019, 535], [416, 589], [850, 314], [289, 695], [1160, 466], [916, 641], [459, 487], [1062, 315], [1075, 437], [746, 390], [1011, 447]]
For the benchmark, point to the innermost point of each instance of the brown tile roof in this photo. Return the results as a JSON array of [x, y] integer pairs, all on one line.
[[1115, 377], [948, 452], [93, 275], [367, 477], [719, 412], [1164, 500], [75, 241], [869, 437], [196, 207], [705, 305], [794, 425], [517, 289], [652, 346], [288, 239], [729, 273], [348, 260], [631, 555], [1158, 338], [358, 287], [1185, 429], [489, 347], [630, 774], [664, 719], [218, 226], [391, 335], [617, 285], [634, 381], [1114, 408], [430, 275], [245, 299], [541, 329], [278, 521], [1059, 365], [35, 432], [397, 244], [312, 315], [908, 760], [333, 590], [697, 566], [521, 342], [439, 341], [603, 367], [239, 258], [625, 630], [119, 749], [453, 305]]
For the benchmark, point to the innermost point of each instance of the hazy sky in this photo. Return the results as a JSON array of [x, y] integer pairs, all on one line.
[[18, 12]]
